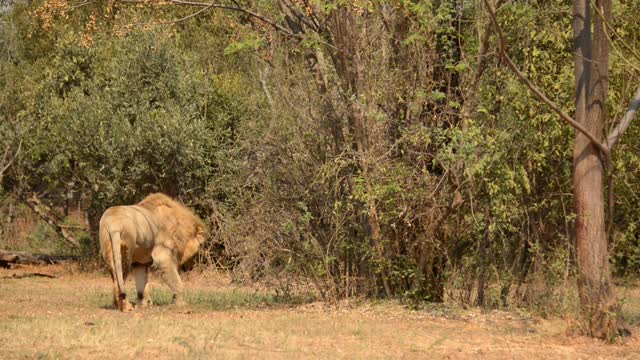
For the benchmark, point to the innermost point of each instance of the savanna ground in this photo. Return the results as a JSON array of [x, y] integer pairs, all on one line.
[[70, 316]]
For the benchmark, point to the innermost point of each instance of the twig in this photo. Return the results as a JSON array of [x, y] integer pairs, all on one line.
[[12, 159], [624, 123], [85, 3], [209, 6], [52, 219], [541, 96], [184, 18], [608, 25], [265, 88]]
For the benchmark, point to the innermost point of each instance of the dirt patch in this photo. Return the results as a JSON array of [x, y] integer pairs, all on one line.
[[70, 316]]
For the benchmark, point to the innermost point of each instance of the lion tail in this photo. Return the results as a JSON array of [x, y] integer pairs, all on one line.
[[117, 261]]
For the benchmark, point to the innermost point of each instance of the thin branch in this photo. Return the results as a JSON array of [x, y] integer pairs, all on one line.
[[624, 123], [12, 159], [52, 219], [541, 96], [79, 5], [611, 28], [209, 6], [6, 153], [183, 18], [301, 17], [265, 88], [471, 95]]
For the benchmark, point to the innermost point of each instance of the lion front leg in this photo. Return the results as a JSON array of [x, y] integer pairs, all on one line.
[[166, 262]]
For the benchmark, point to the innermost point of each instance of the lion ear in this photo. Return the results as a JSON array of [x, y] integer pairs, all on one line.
[[200, 237], [201, 234]]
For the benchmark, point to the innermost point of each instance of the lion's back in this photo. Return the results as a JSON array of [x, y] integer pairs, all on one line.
[[130, 221]]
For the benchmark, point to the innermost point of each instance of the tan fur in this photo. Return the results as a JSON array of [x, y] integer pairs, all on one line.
[[157, 230]]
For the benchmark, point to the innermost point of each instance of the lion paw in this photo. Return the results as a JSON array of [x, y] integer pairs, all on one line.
[[145, 303], [126, 306]]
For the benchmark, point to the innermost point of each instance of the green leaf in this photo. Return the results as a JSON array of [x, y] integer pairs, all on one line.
[[438, 95]]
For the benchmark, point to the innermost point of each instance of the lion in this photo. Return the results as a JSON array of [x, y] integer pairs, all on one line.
[[157, 231]]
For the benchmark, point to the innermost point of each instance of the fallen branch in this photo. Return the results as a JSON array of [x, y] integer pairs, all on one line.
[[7, 258], [21, 276]]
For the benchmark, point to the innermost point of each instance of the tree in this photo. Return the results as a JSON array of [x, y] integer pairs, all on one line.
[[591, 156]]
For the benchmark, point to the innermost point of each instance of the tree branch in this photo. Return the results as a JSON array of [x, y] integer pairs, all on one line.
[[539, 94], [184, 18], [209, 6], [81, 4], [471, 96], [614, 32], [4, 168], [624, 123], [52, 219], [298, 15]]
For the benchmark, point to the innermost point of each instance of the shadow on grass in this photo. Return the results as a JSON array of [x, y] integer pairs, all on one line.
[[227, 299], [631, 311]]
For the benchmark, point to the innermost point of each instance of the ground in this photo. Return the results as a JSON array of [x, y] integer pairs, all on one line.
[[70, 316]]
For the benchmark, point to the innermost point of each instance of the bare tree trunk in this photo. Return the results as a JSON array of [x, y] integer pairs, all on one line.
[[350, 69], [591, 72], [316, 64]]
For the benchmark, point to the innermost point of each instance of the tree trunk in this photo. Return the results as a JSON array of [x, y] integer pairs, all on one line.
[[597, 298], [349, 68]]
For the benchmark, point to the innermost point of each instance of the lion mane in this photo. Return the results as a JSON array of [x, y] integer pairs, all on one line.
[[180, 221]]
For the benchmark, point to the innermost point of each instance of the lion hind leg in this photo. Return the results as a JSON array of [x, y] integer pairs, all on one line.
[[120, 267], [119, 296], [165, 261], [116, 291], [141, 274]]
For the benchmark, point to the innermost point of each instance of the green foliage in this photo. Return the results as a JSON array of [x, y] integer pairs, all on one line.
[[128, 117], [246, 45], [42, 239]]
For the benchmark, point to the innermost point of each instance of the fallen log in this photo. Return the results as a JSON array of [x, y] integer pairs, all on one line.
[[7, 258], [22, 276]]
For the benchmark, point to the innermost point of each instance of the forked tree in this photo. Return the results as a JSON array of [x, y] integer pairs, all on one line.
[[591, 159]]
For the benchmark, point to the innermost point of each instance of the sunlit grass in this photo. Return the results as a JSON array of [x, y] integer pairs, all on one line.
[[73, 317], [214, 300]]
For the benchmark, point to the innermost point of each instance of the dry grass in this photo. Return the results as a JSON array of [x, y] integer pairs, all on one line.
[[70, 317]]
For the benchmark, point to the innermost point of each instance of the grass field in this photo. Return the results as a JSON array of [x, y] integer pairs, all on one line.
[[70, 316]]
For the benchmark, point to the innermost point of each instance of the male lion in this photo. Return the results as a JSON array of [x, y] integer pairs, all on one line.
[[157, 230]]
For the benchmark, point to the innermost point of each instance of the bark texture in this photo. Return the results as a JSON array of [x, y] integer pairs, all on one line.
[[591, 59]]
